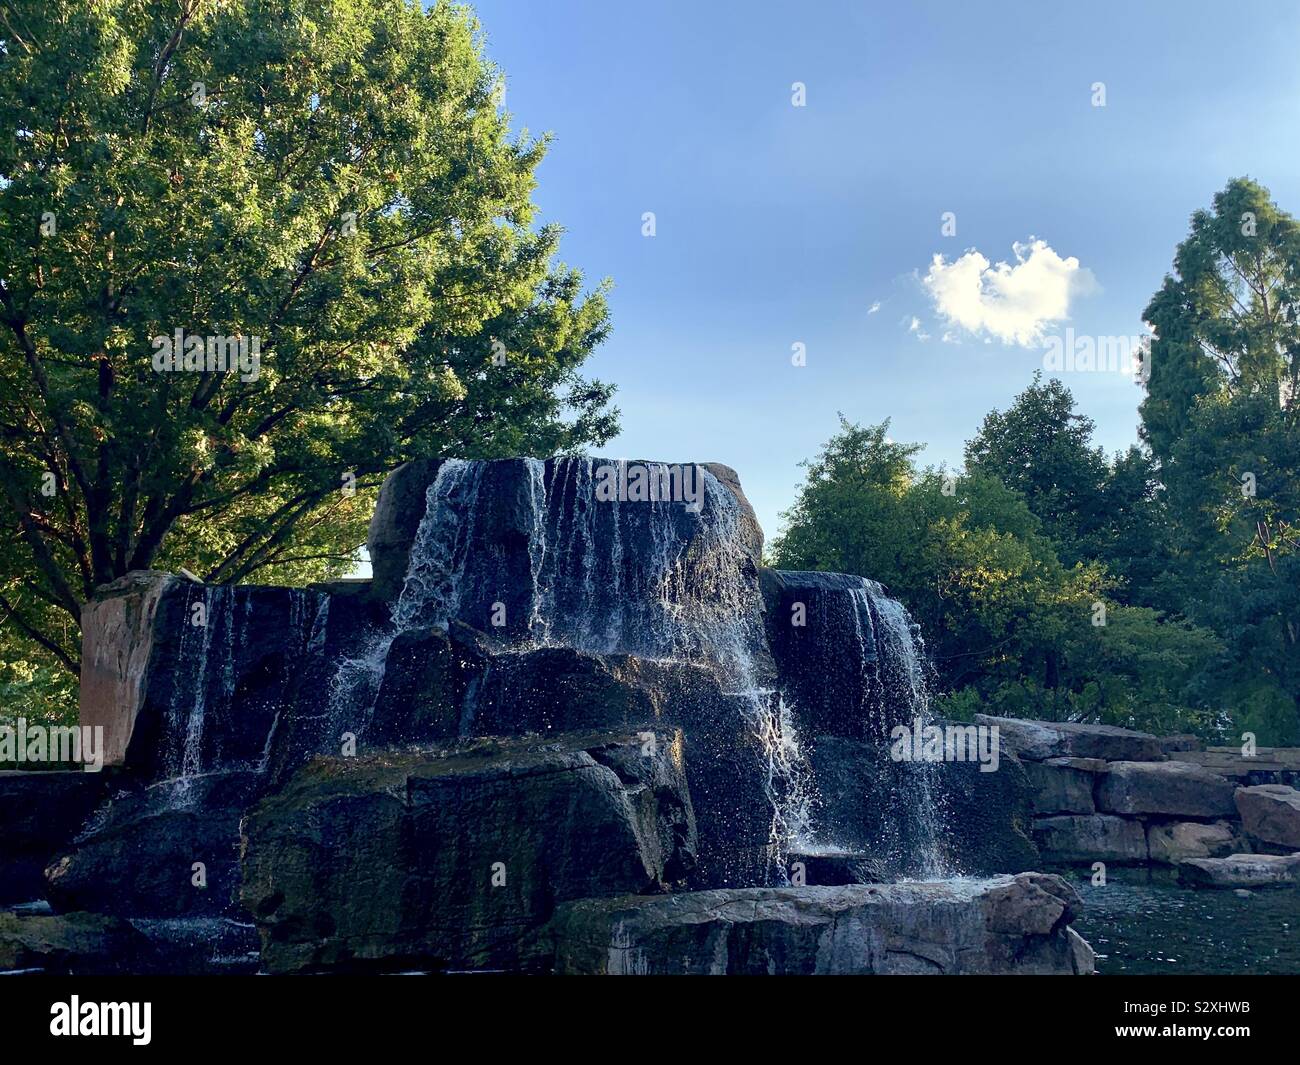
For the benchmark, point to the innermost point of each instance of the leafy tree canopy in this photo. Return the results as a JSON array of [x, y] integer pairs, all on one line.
[[331, 178]]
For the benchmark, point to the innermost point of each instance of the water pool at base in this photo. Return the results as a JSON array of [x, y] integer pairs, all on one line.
[[1145, 923]]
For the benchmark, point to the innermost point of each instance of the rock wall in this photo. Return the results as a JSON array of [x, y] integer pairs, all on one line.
[[1105, 794], [542, 698]]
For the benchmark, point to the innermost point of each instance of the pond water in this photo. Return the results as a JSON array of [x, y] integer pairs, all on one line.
[[1144, 923]]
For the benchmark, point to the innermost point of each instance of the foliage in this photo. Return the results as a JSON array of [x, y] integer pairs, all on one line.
[[332, 178], [1010, 627]]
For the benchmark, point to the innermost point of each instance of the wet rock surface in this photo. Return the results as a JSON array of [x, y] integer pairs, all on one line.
[[453, 860], [860, 790], [1009, 924], [78, 944], [41, 813], [169, 850]]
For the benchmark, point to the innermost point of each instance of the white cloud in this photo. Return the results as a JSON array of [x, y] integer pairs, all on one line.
[[874, 307], [914, 326], [1014, 303]]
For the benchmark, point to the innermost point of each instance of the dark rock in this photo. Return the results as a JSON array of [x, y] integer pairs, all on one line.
[[388, 861], [868, 803], [1178, 744], [431, 679], [1271, 813], [198, 946], [393, 525], [136, 858], [1242, 871], [836, 654], [1063, 785], [1090, 838], [560, 689], [1006, 925], [834, 868], [1040, 740], [80, 944], [40, 814], [1172, 789], [539, 556]]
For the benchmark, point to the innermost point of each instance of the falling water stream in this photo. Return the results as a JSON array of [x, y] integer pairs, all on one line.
[[680, 595], [652, 578]]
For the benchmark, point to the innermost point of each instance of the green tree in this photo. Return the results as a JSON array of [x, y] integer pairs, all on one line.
[[1222, 415], [1094, 509], [1010, 627], [330, 177]]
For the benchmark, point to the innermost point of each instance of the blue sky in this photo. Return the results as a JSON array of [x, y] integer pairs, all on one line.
[[778, 224]]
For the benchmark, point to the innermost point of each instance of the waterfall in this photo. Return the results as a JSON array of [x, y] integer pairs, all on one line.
[[210, 726], [192, 690], [430, 591], [650, 578], [905, 696]]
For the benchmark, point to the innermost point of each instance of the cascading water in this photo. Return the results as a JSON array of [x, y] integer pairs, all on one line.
[[853, 664], [211, 726], [902, 675], [647, 577]]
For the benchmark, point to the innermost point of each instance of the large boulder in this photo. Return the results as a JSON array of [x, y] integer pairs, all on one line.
[[1040, 740], [1171, 843], [513, 524], [431, 679], [117, 640], [79, 944], [170, 850], [1170, 789], [1005, 925], [1242, 871], [40, 814], [1090, 838], [394, 523], [845, 652], [1063, 785], [1271, 813], [454, 858]]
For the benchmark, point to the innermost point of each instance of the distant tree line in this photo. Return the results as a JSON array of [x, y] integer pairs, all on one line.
[[1158, 588]]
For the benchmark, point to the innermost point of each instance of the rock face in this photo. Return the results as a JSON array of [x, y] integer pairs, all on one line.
[[1040, 740], [1242, 871], [40, 814], [1174, 789], [545, 694], [858, 785], [1176, 842], [1063, 785], [1271, 813], [515, 512], [453, 860], [838, 642], [187, 678], [1090, 838], [79, 944], [116, 648], [137, 858], [1003, 925]]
